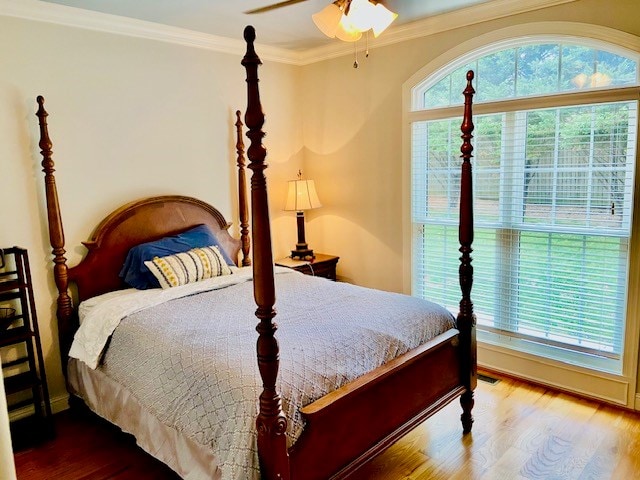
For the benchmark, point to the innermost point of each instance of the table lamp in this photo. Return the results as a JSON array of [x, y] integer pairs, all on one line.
[[301, 196]]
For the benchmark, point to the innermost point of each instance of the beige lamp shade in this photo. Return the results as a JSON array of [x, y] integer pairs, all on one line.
[[302, 195], [361, 14], [327, 19], [346, 31], [382, 19]]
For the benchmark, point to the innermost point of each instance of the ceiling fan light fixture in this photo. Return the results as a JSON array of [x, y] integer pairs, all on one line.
[[382, 19], [348, 19], [328, 19]]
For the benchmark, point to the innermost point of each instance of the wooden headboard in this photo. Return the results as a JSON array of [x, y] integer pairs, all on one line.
[[137, 222]]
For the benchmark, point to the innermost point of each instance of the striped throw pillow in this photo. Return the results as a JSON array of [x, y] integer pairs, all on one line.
[[188, 267]]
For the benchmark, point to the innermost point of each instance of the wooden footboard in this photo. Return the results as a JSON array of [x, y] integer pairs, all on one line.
[[347, 427]]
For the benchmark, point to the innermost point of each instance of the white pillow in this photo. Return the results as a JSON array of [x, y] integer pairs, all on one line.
[[188, 267]]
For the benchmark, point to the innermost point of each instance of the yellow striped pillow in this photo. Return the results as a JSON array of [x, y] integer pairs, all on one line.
[[188, 267]]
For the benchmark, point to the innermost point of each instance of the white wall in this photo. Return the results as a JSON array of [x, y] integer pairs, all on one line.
[[128, 118]]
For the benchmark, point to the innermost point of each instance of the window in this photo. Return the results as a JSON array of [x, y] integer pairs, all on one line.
[[555, 148]]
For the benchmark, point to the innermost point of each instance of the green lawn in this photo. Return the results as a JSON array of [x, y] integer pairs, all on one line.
[[565, 287]]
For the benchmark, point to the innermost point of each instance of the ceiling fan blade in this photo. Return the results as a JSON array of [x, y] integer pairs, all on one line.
[[274, 6]]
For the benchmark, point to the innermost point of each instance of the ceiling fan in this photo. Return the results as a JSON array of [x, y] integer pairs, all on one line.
[[346, 20], [286, 3]]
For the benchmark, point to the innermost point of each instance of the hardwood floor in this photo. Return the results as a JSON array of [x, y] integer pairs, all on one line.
[[520, 432], [88, 448]]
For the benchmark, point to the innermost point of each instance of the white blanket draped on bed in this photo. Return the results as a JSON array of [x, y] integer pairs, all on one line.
[[191, 361]]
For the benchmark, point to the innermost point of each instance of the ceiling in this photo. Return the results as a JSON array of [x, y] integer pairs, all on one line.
[[290, 27]]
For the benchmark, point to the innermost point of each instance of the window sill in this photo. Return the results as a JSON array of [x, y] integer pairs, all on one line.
[[605, 386], [551, 352]]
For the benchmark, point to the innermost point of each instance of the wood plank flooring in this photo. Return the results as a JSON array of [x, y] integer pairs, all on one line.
[[520, 432], [88, 448]]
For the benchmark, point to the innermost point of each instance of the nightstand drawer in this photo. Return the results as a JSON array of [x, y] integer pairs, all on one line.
[[322, 266]]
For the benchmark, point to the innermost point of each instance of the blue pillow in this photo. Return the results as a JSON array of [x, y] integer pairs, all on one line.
[[136, 274]]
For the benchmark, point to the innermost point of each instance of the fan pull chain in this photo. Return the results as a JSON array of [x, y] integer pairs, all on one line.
[[366, 50], [355, 54]]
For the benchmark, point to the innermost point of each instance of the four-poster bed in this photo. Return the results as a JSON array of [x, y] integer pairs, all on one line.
[[327, 433]]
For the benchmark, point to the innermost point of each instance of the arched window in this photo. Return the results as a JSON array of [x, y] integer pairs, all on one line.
[[555, 148]]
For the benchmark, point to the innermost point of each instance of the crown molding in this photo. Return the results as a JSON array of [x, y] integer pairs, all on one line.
[[79, 18], [103, 22]]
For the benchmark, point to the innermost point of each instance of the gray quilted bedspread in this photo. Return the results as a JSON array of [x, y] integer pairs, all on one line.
[[192, 363]]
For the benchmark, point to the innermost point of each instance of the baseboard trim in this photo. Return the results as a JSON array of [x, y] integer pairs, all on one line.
[[58, 404]]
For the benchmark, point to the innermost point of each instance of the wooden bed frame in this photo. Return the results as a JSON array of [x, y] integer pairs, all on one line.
[[343, 429]]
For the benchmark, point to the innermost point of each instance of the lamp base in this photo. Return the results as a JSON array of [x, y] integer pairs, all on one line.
[[302, 253]]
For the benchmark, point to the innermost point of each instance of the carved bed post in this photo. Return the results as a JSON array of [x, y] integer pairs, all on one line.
[[67, 321], [271, 422], [466, 320], [242, 194]]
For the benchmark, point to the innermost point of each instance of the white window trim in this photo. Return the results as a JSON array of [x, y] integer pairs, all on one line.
[[618, 389]]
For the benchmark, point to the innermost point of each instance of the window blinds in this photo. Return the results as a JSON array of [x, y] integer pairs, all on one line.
[[553, 191]]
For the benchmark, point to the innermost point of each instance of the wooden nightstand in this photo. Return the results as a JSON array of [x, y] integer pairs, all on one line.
[[321, 266]]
